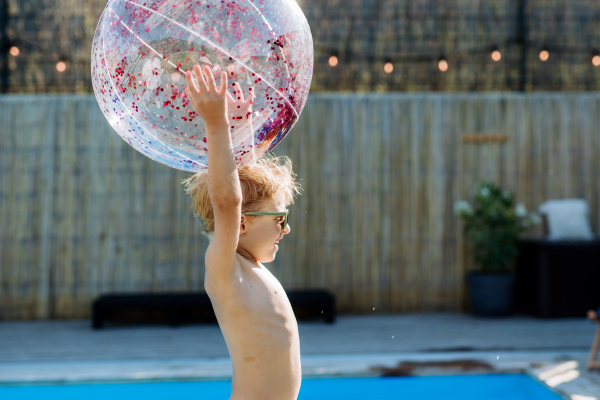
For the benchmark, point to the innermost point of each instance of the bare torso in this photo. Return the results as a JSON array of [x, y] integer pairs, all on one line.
[[261, 333]]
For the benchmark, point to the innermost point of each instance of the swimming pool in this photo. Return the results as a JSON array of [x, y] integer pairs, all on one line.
[[463, 387]]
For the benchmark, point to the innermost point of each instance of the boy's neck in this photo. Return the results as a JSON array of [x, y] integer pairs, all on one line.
[[246, 255]]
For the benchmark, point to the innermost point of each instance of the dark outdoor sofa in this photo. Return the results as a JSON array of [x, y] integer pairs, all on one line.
[[177, 308], [558, 278]]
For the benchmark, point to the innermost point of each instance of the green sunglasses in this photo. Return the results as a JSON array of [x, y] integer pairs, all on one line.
[[283, 214]]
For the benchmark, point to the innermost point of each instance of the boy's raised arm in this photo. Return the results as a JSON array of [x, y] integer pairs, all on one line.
[[224, 188], [210, 103]]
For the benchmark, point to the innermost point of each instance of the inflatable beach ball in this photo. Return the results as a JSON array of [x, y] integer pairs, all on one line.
[[142, 49]]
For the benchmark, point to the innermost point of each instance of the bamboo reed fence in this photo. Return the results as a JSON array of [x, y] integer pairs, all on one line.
[[82, 213]]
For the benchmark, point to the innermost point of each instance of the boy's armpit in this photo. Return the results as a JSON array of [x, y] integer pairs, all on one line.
[[220, 259]]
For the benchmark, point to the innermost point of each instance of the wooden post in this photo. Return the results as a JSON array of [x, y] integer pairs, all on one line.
[[4, 47], [592, 363], [522, 42]]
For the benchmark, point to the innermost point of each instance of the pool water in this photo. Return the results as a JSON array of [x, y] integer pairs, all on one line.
[[463, 387]]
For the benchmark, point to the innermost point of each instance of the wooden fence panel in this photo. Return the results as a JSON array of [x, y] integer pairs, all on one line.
[[82, 213]]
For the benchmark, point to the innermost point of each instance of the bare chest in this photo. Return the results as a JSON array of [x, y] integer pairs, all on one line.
[[259, 292], [257, 309]]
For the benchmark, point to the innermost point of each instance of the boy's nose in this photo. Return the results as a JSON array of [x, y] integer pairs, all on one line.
[[287, 229]]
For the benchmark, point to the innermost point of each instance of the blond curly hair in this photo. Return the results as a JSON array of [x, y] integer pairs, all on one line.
[[265, 181]]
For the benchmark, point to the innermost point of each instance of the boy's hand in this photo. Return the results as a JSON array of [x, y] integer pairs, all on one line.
[[208, 101], [239, 109]]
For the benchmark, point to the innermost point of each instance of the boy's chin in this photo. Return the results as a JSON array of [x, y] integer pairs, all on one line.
[[267, 258]]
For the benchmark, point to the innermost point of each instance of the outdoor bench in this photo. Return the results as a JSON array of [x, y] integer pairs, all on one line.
[[179, 307], [557, 279]]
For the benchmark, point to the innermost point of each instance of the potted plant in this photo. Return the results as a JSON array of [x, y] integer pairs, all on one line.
[[492, 225]]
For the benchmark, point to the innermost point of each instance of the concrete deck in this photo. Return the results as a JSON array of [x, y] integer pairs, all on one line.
[[76, 341], [552, 351]]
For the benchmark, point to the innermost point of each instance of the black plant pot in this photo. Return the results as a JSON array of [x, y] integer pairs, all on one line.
[[492, 294]]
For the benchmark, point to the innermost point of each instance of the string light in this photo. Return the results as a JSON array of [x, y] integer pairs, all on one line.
[[14, 51], [443, 65], [333, 61], [61, 66]]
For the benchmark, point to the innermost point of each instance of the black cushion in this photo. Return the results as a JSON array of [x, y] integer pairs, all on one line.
[[179, 306]]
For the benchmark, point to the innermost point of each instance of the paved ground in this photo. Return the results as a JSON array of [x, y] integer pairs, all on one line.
[[552, 351], [75, 341]]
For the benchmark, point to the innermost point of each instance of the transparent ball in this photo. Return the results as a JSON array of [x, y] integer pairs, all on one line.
[[142, 49]]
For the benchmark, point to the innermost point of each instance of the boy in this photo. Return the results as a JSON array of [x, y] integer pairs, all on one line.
[[243, 211]]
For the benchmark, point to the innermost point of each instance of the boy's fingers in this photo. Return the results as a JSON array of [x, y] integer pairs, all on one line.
[[191, 90], [252, 94], [189, 80], [210, 79], [191, 87], [223, 87], [238, 91], [200, 78], [187, 90]]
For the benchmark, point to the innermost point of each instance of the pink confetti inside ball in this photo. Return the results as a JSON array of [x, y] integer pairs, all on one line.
[[142, 49]]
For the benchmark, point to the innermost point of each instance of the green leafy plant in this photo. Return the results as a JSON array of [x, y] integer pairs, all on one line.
[[492, 224]]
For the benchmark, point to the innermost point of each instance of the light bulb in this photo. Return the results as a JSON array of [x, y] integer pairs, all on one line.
[[443, 65]]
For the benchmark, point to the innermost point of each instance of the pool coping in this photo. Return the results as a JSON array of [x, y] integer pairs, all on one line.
[[535, 364]]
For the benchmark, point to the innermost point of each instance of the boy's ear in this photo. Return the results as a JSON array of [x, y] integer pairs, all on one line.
[[243, 222]]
